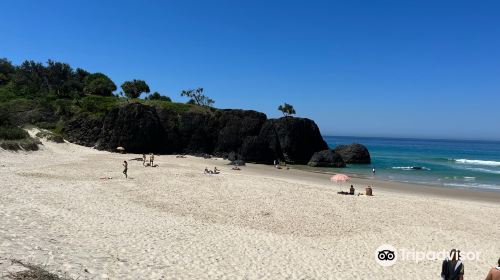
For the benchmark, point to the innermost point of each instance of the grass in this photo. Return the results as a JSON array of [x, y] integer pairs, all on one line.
[[99, 105], [28, 144], [14, 139], [33, 272], [174, 106], [13, 133], [50, 136]]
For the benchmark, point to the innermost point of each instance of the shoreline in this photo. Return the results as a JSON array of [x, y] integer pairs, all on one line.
[[412, 188]]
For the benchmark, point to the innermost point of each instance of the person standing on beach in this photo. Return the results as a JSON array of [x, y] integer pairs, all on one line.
[[125, 168], [452, 269], [144, 159], [151, 159], [494, 273], [373, 171]]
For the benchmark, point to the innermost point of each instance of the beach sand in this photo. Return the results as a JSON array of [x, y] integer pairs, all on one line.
[[174, 222]]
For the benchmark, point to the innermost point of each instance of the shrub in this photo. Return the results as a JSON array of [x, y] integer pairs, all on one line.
[[50, 136], [27, 144], [13, 133], [99, 105]]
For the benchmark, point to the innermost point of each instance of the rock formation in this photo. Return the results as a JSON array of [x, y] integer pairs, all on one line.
[[326, 158], [354, 153], [247, 135]]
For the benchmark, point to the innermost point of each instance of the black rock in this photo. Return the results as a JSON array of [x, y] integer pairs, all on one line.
[[239, 134], [354, 153], [234, 126], [134, 126], [326, 158], [264, 148], [83, 130], [299, 139]]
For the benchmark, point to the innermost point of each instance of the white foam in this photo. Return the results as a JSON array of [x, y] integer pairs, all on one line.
[[465, 185], [411, 168], [484, 170], [478, 162]]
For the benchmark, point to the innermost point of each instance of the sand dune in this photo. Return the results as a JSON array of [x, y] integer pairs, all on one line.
[[174, 222]]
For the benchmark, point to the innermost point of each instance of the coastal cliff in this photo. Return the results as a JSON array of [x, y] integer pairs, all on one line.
[[244, 134]]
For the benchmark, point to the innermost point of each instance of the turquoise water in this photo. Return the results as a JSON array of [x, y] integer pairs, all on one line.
[[447, 163]]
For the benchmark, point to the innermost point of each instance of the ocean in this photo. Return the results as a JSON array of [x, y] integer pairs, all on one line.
[[446, 163]]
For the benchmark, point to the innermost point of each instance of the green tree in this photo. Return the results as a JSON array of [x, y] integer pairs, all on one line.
[[157, 96], [59, 78], [6, 70], [134, 88], [30, 79], [197, 97], [287, 109], [97, 84]]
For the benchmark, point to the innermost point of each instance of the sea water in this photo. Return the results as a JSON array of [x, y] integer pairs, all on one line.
[[447, 163]]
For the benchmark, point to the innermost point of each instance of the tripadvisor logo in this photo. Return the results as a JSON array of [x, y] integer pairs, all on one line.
[[386, 255]]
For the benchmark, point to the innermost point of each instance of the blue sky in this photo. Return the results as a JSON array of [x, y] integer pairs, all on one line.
[[426, 69]]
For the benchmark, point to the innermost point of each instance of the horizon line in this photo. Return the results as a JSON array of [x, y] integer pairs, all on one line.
[[415, 138]]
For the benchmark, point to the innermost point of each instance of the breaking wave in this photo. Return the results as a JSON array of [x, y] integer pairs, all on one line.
[[477, 162], [411, 168]]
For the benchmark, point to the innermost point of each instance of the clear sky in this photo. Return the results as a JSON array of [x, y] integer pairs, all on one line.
[[366, 68]]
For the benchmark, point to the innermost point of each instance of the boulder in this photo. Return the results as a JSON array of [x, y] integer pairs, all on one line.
[[326, 158], [354, 153], [299, 139]]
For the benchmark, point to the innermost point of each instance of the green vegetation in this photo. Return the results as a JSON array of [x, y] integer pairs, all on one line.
[[197, 97], [98, 84], [50, 136], [157, 96], [134, 88], [48, 95], [13, 133], [15, 138], [287, 109]]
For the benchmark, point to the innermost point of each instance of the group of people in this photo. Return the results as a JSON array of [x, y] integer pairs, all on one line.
[[151, 163], [215, 171], [453, 268], [151, 160], [352, 190], [278, 164]]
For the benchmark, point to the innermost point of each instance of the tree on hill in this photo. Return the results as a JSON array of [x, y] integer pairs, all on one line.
[[6, 70], [60, 79], [157, 96], [134, 88], [287, 109], [197, 97], [97, 84]]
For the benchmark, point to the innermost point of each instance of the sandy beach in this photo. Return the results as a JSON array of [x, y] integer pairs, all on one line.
[[174, 222]]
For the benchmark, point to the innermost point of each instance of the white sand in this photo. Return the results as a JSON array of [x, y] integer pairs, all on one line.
[[174, 222]]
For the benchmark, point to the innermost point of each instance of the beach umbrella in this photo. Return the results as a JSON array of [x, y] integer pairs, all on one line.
[[120, 149], [340, 178]]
